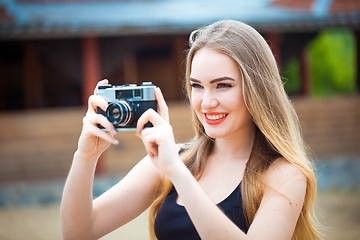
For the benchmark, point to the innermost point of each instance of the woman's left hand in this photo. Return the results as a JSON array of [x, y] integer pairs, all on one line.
[[159, 140]]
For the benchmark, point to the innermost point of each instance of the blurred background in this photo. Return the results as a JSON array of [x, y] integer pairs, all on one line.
[[53, 52]]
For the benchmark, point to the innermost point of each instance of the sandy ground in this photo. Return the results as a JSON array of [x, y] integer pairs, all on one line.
[[338, 211]]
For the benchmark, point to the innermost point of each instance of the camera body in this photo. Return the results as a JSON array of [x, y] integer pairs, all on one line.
[[126, 103]]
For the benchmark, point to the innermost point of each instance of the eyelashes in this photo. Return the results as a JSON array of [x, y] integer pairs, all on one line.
[[223, 85], [195, 85], [218, 85]]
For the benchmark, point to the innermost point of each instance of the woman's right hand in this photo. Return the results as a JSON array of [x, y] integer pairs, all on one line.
[[94, 141]]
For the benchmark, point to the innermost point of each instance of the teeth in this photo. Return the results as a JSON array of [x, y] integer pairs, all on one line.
[[215, 117]]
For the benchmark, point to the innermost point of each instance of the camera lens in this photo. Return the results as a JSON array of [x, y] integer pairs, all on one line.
[[119, 113], [115, 113]]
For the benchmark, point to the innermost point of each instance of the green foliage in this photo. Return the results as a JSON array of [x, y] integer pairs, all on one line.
[[332, 57], [333, 63], [291, 76]]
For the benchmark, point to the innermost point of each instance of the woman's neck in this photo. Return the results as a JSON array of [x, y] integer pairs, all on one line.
[[237, 145]]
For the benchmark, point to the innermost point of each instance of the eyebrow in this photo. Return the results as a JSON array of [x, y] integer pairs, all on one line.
[[214, 80]]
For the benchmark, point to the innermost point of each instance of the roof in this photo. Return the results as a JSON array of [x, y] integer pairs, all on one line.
[[53, 19]]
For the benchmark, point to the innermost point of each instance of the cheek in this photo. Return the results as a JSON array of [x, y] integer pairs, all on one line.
[[234, 102], [195, 101], [234, 99], [196, 105], [229, 101]]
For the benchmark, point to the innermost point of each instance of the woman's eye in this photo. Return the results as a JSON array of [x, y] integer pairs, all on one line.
[[195, 85], [223, 85]]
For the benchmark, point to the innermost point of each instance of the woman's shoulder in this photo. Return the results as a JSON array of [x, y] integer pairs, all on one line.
[[281, 168], [284, 176]]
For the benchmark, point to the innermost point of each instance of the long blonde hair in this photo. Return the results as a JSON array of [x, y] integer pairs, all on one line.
[[278, 131]]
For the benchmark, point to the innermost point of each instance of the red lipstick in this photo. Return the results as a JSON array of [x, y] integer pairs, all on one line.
[[215, 118]]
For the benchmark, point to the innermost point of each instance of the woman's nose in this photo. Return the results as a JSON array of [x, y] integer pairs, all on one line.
[[209, 101]]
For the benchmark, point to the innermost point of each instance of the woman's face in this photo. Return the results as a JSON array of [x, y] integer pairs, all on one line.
[[216, 94]]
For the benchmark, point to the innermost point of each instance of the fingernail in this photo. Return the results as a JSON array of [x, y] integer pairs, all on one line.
[[116, 141], [114, 130]]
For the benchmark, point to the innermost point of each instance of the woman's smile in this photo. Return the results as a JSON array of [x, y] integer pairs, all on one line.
[[215, 118]]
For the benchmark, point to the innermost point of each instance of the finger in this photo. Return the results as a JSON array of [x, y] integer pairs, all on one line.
[[95, 119], [150, 142], [95, 131], [100, 83], [154, 150], [162, 107], [148, 116], [97, 101]]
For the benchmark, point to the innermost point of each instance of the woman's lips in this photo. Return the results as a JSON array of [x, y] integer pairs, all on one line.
[[215, 118]]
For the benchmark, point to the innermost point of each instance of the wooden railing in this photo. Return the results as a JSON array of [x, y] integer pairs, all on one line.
[[41, 143], [331, 127]]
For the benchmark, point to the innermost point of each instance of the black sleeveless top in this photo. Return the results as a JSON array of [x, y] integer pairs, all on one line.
[[172, 221]]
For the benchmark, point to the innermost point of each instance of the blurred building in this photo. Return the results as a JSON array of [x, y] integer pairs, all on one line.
[[52, 53]]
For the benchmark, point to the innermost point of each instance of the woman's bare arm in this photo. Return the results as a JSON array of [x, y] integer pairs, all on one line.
[[276, 218], [81, 218], [127, 199]]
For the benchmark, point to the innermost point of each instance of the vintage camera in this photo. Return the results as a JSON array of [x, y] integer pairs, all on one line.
[[127, 103]]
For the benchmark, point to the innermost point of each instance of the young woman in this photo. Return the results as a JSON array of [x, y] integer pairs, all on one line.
[[245, 175]]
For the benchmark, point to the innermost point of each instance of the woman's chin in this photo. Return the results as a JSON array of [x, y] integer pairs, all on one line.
[[212, 133]]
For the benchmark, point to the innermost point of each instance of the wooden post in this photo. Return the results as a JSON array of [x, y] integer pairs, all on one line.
[[273, 40], [91, 75], [91, 66], [34, 95], [305, 78], [357, 42]]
